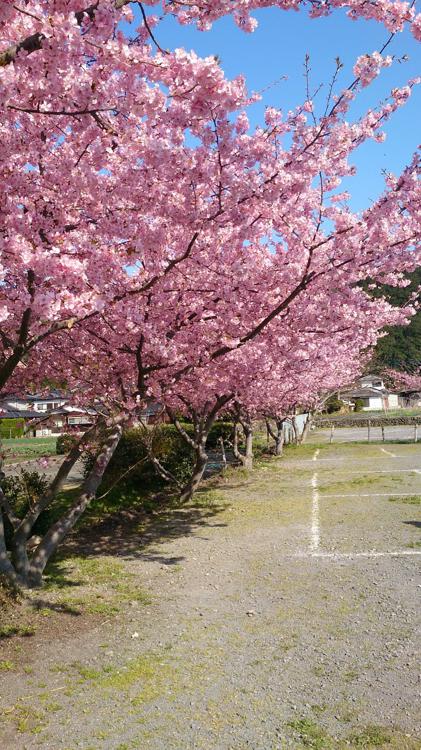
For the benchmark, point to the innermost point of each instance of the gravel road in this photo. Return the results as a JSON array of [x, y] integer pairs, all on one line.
[[360, 434], [282, 612]]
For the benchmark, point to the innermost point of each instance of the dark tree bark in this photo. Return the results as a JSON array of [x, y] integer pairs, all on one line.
[[193, 484], [20, 567], [202, 425], [277, 434], [61, 528], [295, 430], [23, 530], [241, 418], [307, 426], [6, 567]]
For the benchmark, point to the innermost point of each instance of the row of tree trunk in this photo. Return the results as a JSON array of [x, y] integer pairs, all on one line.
[[26, 568]]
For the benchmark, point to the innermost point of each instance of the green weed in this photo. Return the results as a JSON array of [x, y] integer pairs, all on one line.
[[371, 737], [6, 666], [8, 631], [311, 735], [408, 499]]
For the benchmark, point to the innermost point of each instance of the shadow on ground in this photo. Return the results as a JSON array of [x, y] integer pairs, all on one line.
[[135, 535]]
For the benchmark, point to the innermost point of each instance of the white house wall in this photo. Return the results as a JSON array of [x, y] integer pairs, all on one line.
[[374, 403]]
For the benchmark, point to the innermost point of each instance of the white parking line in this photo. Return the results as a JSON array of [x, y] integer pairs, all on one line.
[[315, 551], [333, 459], [385, 471], [352, 555], [315, 515], [371, 494], [389, 453]]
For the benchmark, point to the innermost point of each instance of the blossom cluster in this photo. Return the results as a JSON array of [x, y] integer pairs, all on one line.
[[155, 246], [368, 67]]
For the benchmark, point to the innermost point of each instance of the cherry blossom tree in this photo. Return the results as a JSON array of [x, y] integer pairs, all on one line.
[[276, 268], [409, 381], [155, 246], [82, 104]]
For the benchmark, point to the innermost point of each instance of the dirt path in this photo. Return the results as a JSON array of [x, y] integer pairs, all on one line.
[[281, 612]]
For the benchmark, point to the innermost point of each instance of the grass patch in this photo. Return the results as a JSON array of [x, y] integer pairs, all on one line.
[[26, 718], [350, 675], [82, 571], [155, 677], [94, 586], [357, 482], [371, 737], [28, 447], [408, 499], [6, 666], [209, 499], [311, 735], [8, 631]]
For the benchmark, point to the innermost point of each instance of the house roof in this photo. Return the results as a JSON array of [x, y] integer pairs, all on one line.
[[52, 396], [152, 409], [32, 398], [365, 393], [6, 413]]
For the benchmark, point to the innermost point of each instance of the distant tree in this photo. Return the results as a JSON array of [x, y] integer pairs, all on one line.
[[400, 349], [358, 404], [334, 404]]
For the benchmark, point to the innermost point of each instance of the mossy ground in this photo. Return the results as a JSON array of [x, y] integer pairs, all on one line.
[[211, 626]]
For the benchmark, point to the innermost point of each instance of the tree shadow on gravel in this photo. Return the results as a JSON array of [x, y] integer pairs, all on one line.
[[136, 535], [40, 605]]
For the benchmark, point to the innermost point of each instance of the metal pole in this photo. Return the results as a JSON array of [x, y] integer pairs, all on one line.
[[368, 431], [383, 433], [224, 458], [332, 428], [416, 434]]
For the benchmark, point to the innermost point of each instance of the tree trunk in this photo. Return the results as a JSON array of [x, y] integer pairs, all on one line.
[[279, 438], [295, 430], [202, 426], [22, 533], [235, 444], [245, 459], [306, 429], [61, 528], [6, 567], [248, 458], [192, 485], [223, 454], [162, 471]]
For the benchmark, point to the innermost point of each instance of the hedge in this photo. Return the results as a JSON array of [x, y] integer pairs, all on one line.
[[175, 455], [65, 443], [12, 428]]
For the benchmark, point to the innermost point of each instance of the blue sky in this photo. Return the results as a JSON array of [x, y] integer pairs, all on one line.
[[278, 47]]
